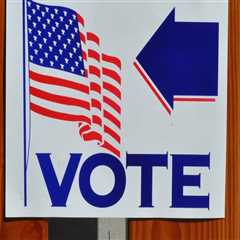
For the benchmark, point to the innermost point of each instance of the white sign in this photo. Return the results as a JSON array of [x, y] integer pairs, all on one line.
[[116, 108]]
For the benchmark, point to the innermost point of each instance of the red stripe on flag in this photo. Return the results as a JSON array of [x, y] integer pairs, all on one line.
[[58, 82], [86, 73], [111, 148], [112, 118], [80, 19], [94, 70], [59, 99], [83, 129], [112, 74], [96, 104], [90, 136], [112, 133], [97, 120], [112, 104], [112, 89], [93, 37], [111, 59], [59, 115], [94, 54], [84, 55], [95, 87], [82, 37]]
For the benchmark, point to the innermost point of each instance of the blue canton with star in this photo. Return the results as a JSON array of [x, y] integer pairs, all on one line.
[[54, 38]]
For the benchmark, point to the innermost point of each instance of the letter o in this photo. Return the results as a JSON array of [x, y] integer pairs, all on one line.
[[88, 194]]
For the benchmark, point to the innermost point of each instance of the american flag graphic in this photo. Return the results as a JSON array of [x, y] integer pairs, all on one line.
[[71, 79]]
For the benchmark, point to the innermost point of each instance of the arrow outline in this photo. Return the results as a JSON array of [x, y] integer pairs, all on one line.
[[176, 98]]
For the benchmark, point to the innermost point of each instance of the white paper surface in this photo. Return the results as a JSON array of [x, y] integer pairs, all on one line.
[[192, 128]]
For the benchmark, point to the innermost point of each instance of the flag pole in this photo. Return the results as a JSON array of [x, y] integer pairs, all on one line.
[[24, 103]]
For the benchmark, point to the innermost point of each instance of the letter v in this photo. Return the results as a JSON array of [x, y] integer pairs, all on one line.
[[58, 192]]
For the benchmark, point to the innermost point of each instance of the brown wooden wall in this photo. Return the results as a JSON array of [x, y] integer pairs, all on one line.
[[225, 229]]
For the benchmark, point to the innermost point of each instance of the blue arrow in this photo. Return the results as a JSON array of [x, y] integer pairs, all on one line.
[[181, 58]]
